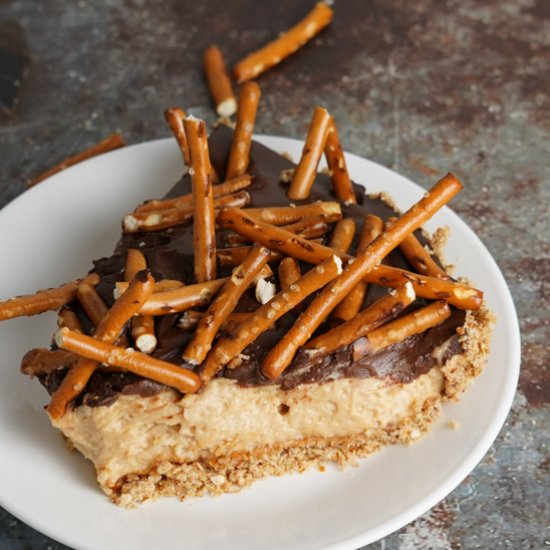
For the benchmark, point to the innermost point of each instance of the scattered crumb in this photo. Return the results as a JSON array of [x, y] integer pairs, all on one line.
[[454, 425]]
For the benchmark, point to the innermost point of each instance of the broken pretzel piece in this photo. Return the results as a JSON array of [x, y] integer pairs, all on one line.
[[246, 332], [110, 143], [396, 331], [273, 53], [219, 83], [128, 359]]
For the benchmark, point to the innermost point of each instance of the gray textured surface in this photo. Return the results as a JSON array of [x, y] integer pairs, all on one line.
[[422, 87]]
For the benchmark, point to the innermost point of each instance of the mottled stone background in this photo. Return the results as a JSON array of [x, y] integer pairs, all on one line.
[[422, 87]]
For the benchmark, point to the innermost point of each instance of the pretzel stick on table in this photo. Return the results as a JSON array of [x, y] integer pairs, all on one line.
[[273, 53], [379, 312], [108, 330], [110, 143], [352, 303], [238, 160], [152, 220], [342, 236], [245, 333], [219, 83], [223, 304], [305, 172], [142, 326], [392, 333], [336, 162], [284, 215], [420, 259], [204, 231], [180, 378], [280, 356], [226, 188], [43, 300]]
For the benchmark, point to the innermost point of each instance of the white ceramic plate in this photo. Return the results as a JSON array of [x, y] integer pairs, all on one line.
[[50, 234]]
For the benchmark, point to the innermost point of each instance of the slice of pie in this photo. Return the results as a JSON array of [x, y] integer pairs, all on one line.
[[361, 380]]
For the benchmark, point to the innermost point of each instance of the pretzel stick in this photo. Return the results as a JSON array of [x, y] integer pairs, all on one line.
[[289, 272], [223, 304], [153, 220], [379, 312], [352, 303], [182, 379], [108, 330], [204, 235], [190, 319], [68, 318], [245, 333], [235, 256], [342, 236], [284, 215], [420, 259], [271, 236], [280, 356], [43, 300], [180, 299], [44, 361], [238, 160], [108, 144], [167, 284], [143, 326], [305, 172], [336, 162], [91, 302], [308, 228], [174, 117], [392, 333], [218, 82], [226, 188], [274, 52]]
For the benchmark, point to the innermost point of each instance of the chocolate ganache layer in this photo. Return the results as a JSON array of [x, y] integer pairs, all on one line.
[[169, 254]]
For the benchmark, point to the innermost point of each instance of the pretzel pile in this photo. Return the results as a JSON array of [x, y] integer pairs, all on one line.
[[286, 253]]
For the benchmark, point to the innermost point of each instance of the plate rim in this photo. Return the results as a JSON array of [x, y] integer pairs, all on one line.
[[430, 499]]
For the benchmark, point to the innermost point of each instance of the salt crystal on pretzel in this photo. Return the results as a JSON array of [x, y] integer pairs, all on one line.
[[108, 144], [43, 300], [281, 355], [108, 330], [219, 83], [177, 377], [379, 312], [223, 304], [273, 53], [155, 220], [396, 331], [305, 172], [284, 215], [238, 160], [336, 162], [245, 333], [352, 303], [226, 188]]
